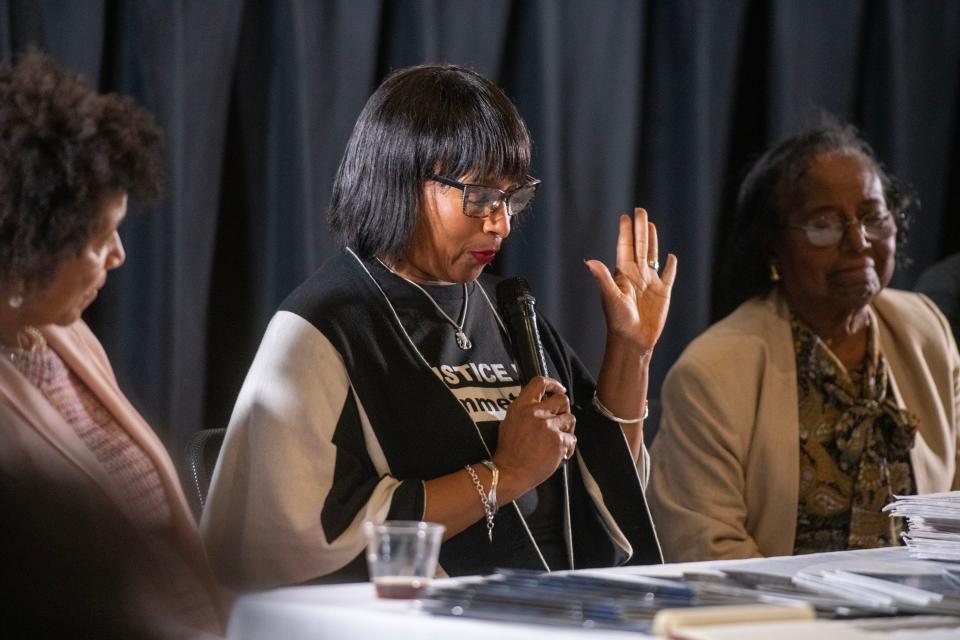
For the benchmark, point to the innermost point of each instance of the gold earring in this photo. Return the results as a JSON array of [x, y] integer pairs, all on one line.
[[774, 273]]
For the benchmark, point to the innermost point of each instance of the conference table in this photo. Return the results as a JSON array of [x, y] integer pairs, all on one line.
[[353, 611]]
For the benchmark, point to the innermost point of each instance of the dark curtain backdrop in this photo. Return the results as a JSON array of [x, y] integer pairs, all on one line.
[[657, 103]]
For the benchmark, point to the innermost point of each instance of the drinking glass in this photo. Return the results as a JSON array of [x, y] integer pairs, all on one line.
[[402, 556]]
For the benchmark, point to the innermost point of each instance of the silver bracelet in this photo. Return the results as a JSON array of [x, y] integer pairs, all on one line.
[[487, 510], [606, 413], [494, 481]]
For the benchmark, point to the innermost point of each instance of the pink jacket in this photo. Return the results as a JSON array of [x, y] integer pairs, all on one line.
[[35, 438]]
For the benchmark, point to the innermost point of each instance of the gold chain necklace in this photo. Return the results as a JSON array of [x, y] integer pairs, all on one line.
[[29, 342]]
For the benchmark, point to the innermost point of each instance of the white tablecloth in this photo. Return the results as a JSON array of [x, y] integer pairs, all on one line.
[[345, 612]]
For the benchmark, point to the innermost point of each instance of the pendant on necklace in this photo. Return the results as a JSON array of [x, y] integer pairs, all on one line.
[[463, 341]]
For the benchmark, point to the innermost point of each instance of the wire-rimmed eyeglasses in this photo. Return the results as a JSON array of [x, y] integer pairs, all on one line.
[[827, 229]]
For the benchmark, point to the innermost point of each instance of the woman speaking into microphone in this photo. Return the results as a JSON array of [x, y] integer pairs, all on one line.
[[385, 386]]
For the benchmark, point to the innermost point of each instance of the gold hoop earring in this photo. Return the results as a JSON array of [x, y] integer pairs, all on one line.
[[774, 273]]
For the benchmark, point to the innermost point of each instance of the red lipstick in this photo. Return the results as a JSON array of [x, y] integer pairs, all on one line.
[[484, 257]]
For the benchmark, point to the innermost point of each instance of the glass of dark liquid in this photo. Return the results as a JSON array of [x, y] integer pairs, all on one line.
[[402, 556]]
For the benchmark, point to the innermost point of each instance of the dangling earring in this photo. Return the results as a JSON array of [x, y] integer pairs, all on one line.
[[774, 273], [15, 301]]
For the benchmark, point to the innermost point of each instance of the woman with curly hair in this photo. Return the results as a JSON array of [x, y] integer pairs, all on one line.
[[69, 157]]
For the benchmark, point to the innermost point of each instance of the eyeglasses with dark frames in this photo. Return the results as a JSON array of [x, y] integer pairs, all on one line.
[[826, 230], [480, 201]]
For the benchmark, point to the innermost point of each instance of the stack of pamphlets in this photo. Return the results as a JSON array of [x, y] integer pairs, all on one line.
[[934, 524], [842, 585]]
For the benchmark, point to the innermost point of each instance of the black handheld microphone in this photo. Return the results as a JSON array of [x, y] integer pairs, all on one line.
[[518, 308]]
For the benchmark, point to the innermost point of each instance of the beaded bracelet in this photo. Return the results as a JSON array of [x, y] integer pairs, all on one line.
[[487, 508], [606, 413]]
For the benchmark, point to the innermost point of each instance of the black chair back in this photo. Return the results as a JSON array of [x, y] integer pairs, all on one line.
[[202, 451]]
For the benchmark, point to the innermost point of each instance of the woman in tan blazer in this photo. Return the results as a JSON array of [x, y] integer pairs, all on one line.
[[68, 158], [789, 424]]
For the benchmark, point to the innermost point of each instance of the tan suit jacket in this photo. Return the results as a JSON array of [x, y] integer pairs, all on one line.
[[35, 438], [726, 460]]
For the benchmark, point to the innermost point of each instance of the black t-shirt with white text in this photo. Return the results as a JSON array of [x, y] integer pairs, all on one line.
[[483, 379]]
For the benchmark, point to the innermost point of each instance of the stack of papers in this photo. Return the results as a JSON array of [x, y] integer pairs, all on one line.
[[934, 523], [844, 585], [902, 594]]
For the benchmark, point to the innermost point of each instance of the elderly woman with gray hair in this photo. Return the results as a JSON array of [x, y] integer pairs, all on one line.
[[789, 424]]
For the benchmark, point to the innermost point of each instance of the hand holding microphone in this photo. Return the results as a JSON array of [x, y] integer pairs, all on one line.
[[537, 434]]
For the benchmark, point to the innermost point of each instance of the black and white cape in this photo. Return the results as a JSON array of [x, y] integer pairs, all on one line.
[[340, 420]]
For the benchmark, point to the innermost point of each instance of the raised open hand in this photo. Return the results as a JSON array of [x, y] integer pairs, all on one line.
[[636, 297]]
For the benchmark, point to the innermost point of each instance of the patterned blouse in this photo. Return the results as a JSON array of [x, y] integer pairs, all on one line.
[[854, 448]]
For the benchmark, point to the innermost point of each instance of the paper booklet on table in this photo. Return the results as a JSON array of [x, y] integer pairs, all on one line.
[[920, 628], [933, 521], [843, 585]]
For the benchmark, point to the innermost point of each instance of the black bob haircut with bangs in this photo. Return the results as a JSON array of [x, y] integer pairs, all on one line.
[[430, 119]]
